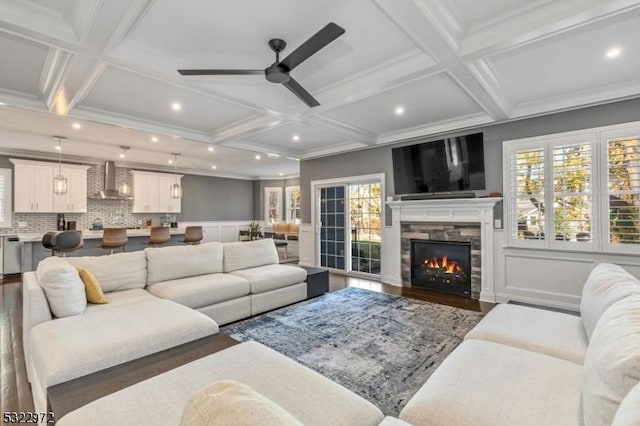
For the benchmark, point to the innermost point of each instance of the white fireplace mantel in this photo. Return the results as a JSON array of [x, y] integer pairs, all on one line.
[[461, 210]]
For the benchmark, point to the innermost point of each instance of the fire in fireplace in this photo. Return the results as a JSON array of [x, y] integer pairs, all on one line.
[[441, 265]]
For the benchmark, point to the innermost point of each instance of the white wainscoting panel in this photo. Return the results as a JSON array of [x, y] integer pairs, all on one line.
[[307, 244], [391, 265], [222, 231], [549, 277]]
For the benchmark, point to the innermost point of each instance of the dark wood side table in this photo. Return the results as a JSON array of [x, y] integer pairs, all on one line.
[[71, 395], [317, 281]]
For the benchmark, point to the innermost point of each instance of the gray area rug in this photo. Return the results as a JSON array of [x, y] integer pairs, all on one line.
[[380, 346]]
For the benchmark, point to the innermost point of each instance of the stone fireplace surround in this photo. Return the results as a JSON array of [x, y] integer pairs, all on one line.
[[453, 216]]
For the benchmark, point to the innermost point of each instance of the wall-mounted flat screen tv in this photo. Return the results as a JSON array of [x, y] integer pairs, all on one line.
[[446, 165]]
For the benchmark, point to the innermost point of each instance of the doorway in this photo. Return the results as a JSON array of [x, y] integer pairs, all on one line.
[[348, 218]]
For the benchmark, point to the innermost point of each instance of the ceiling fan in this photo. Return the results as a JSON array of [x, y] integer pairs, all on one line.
[[278, 72]]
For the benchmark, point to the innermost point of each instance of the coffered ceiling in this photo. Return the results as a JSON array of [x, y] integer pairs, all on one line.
[[403, 68]]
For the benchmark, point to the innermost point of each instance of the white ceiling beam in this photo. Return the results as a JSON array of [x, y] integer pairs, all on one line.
[[127, 122], [249, 145], [352, 133], [243, 128], [422, 26], [548, 20]]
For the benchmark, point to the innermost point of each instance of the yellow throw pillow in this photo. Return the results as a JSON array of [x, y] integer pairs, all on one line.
[[91, 286]]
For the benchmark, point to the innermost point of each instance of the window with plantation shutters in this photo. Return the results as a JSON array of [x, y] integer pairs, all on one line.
[[572, 192], [577, 191], [5, 198], [527, 194], [623, 192]]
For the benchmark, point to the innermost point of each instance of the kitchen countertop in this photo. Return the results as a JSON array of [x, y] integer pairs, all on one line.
[[89, 234]]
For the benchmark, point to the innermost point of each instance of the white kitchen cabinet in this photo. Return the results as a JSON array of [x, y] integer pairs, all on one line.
[[33, 187], [75, 200], [151, 193], [166, 204]]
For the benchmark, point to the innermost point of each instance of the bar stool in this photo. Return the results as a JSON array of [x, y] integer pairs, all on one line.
[[63, 242], [113, 238], [68, 242], [193, 235], [159, 235]]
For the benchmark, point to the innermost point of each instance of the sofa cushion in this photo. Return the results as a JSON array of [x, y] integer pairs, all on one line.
[[170, 263], [272, 277], [122, 298], [62, 286], [159, 401], [606, 284], [68, 348], [249, 254], [612, 362], [229, 402], [204, 290], [91, 286], [552, 333], [121, 271], [486, 383], [628, 413]]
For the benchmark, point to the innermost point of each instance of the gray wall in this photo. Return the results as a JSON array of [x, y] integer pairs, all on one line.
[[258, 194], [213, 198], [378, 160]]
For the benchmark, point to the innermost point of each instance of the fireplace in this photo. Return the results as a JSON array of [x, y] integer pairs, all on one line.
[[441, 265]]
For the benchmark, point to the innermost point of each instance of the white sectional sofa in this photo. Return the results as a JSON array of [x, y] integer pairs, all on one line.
[[157, 299], [528, 366]]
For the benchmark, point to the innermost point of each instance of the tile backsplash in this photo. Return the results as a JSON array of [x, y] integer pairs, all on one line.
[[112, 213]]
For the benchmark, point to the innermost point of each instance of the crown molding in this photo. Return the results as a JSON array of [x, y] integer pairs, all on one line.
[[601, 95], [473, 120]]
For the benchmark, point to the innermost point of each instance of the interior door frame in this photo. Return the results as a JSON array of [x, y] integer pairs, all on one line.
[[315, 213]]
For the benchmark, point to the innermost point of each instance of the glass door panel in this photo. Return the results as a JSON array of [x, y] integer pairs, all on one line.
[[332, 227], [365, 202]]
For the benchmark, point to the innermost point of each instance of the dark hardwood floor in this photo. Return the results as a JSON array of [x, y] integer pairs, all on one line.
[[15, 392]]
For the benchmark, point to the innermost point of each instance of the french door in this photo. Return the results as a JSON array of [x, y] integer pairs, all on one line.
[[349, 220]]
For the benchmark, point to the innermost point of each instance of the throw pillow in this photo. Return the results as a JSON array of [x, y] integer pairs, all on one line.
[[91, 286], [62, 286], [607, 283], [612, 361], [229, 402]]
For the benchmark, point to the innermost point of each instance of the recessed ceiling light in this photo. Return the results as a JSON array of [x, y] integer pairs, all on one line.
[[154, 139], [296, 138], [121, 155], [176, 106], [258, 156], [210, 149], [58, 148], [170, 161], [214, 167], [399, 110], [2, 104], [281, 174], [613, 52], [76, 126]]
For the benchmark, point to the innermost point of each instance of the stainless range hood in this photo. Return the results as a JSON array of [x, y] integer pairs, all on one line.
[[110, 192]]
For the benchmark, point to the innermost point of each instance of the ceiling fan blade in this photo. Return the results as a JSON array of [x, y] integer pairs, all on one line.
[[301, 93], [221, 72], [319, 40]]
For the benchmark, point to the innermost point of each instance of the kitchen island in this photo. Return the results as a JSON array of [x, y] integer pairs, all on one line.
[[33, 251]]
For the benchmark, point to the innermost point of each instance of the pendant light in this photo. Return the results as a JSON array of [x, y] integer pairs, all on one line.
[[59, 182], [176, 189], [124, 188]]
